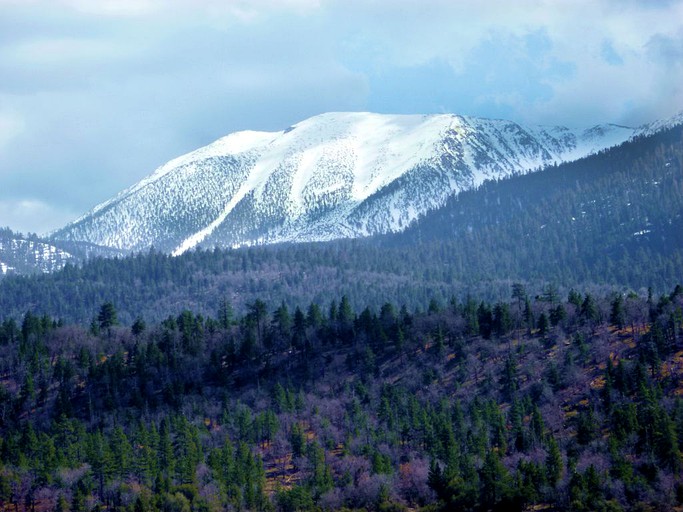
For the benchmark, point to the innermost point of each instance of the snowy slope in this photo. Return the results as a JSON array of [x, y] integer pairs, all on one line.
[[333, 175], [19, 255]]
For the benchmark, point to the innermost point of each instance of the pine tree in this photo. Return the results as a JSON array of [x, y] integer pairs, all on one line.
[[553, 461], [107, 317], [618, 313], [138, 327], [297, 439], [495, 480], [121, 451], [543, 324], [225, 314]]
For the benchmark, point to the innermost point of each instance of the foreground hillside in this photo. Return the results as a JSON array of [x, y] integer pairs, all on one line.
[[569, 403]]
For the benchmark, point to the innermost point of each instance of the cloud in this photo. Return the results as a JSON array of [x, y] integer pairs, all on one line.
[[610, 55], [97, 93], [101, 111], [11, 126], [240, 9], [533, 41], [23, 216]]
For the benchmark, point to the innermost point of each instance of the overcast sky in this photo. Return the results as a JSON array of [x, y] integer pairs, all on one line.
[[95, 94]]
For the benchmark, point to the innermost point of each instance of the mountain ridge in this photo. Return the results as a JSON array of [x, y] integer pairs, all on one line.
[[335, 175], [21, 254]]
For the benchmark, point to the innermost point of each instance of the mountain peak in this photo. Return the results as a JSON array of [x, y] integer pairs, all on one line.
[[334, 175]]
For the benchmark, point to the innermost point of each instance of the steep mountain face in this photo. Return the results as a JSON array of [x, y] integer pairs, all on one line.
[[332, 176], [19, 255], [612, 218]]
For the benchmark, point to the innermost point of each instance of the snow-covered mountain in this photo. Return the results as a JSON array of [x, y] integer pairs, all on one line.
[[20, 255], [331, 176]]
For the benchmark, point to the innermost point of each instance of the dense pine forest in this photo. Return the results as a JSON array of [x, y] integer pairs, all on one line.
[[549, 401]]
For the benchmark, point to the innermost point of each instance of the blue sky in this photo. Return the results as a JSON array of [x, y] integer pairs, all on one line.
[[95, 94]]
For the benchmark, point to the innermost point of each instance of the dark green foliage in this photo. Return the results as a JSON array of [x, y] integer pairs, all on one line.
[[458, 408], [553, 462], [138, 326], [557, 315], [586, 426], [107, 317], [295, 500], [502, 321], [298, 440], [509, 380], [618, 314], [543, 324]]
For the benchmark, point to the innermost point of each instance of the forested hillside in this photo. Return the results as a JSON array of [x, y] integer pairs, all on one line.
[[21, 254], [155, 284], [613, 218], [554, 402]]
